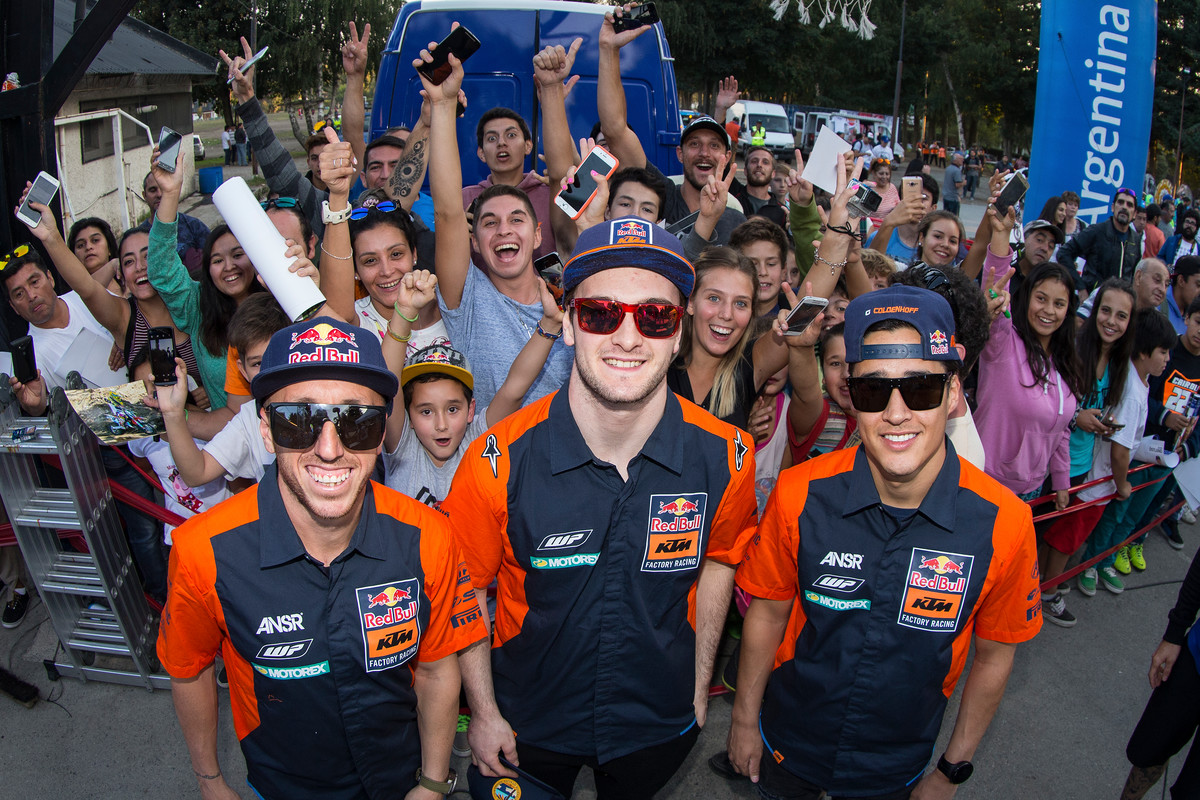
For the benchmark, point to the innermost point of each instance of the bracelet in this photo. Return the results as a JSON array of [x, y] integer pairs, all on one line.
[[847, 231], [400, 339], [833, 266], [546, 334], [331, 255], [204, 777], [396, 308]]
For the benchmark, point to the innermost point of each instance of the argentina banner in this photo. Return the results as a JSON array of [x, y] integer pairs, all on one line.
[[1095, 97]]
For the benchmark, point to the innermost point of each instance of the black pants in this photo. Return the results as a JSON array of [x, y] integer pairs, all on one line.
[[636, 776], [776, 783], [1171, 717]]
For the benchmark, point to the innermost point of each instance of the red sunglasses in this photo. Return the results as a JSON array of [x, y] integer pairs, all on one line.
[[653, 320]]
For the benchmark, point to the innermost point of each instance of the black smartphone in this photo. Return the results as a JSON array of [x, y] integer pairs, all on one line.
[[24, 366], [804, 313], [645, 14], [461, 42], [1012, 193], [550, 267], [684, 226], [162, 356], [575, 198], [168, 149]]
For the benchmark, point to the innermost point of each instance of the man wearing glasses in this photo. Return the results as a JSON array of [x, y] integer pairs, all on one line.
[[872, 570], [1112, 250], [612, 515], [338, 604]]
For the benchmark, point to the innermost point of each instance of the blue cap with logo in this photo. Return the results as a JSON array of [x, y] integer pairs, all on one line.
[[524, 786], [324, 349], [926, 311], [629, 242]]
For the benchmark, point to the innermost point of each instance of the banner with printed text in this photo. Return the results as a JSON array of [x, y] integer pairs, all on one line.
[[1095, 97]]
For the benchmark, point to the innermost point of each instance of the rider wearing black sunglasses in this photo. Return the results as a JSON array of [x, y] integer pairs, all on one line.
[[326, 592], [899, 544]]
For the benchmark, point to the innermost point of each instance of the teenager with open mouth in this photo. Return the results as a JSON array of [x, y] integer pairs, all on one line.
[[938, 238]]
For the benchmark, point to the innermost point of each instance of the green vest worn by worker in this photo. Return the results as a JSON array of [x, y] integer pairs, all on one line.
[[758, 135]]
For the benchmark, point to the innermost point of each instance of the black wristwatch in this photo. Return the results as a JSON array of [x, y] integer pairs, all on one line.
[[441, 787], [955, 773]]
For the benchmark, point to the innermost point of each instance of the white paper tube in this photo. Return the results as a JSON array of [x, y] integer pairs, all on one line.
[[265, 247]]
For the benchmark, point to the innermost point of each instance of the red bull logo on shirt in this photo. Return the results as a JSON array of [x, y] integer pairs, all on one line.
[[675, 533], [937, 586], [391, 627]]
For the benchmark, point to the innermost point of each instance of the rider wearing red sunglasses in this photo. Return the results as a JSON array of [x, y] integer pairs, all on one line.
[[611, 515]]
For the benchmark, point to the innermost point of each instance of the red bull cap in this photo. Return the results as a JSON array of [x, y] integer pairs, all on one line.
[[441, 359], [928, 312], [629, 242], [323, 349]]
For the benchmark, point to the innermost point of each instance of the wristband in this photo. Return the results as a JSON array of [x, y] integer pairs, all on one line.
[[334, 217], [400, 339], [441, 787], [546, 334], [396, 308]]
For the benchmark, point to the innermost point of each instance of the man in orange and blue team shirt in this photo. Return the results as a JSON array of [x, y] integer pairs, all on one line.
[[612, 515], [338, 603], [873, 569]]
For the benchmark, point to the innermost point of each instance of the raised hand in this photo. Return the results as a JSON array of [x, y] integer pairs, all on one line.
[[610, 38], [727, 93], [553, 64], [354, 51], [552, 315], [171, 183], [47, 228], [416, 291], [338, 166], [799, 190], [243, 86], [447, 91]]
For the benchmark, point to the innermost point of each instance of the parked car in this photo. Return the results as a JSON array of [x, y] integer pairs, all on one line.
[[198, 147]]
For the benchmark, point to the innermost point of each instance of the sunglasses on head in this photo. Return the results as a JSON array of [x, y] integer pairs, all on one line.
[[281, 202], [919, 392], [385, 206], [21, 251], [1129, 192], [653, 320], [297, 426]]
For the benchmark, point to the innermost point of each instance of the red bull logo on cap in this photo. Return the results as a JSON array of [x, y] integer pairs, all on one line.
[[322, 334], [631, 231], [936, 592], [675, 535], [938, 343]]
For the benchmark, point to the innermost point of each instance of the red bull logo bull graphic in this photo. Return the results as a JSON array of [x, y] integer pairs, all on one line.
[[938, 343], [391, 625], [675, 532], [936, 591], [323, 342], [322, 333], [631, 232]]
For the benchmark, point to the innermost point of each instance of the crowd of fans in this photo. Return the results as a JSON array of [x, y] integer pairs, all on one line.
[[1077, 341]]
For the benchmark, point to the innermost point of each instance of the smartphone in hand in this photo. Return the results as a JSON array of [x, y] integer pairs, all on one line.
[[45, 186], [575, 198], [24, 365], [800, 317], [162, 356], [645, 14], [461, 42], [168, 149]]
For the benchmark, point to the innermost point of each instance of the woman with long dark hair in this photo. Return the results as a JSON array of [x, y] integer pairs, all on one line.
[[1029, 376], [92, 241], [1105, 346]]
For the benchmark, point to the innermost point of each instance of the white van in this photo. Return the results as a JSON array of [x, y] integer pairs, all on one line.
[[749, 113]]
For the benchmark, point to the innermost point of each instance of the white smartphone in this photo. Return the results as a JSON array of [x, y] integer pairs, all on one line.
[[45, 186], [575, 198], [804, 313], [253, 60]]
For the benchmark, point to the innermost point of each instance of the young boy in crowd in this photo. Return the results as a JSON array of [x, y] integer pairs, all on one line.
[[183, 498], [879, 267], [427, 435], [765, 244], [237, 451], [1152, 342]]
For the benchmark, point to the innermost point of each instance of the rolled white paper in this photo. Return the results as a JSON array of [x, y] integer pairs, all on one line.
[[265, 247]]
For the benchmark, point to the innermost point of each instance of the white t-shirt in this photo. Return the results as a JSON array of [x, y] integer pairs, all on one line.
[[965, 437], [768, 456], [51, 344], [409, 470], [1130, 412], [239, 446], [370, 319], [184, 500], [490, 329]]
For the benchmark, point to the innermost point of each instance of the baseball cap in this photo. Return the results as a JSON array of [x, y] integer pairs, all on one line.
[[926, 311], [704, 123], [324, 349], [441, 359], [524, 786], [1044, 225], [629, 242]]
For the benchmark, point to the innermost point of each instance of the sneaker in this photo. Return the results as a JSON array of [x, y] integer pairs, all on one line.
[[1187, 515], [1063, 588], [1121, 561], [1087, 581], [1055, 610], [14, 612], [1170, 529], [1137, 559], [1111, 580], [460, 747]]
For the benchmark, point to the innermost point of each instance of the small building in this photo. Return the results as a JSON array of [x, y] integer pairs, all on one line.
[[105, 133]]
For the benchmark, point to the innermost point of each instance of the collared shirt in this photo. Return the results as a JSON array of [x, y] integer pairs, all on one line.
[[594, 649], [887, 604], [321, 660]]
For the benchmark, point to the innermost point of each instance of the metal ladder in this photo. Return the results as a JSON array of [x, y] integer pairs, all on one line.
[[67, 581]]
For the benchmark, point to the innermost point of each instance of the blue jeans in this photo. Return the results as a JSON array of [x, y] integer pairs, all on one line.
[[952, 206], [144, 533], [242, 156], [1121, 517]]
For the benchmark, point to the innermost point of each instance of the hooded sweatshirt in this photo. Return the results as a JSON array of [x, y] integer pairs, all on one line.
[[539, 195]]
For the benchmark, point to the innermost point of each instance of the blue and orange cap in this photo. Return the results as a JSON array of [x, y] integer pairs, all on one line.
[[629, 242], [926, 311]]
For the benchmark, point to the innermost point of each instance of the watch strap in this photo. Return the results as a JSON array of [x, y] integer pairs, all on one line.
[[441, 787], [956, 773], [334, 217]]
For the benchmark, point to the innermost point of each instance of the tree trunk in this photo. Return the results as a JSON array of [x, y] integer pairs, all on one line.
[[226, 108], [954, 99], [298, 131]]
